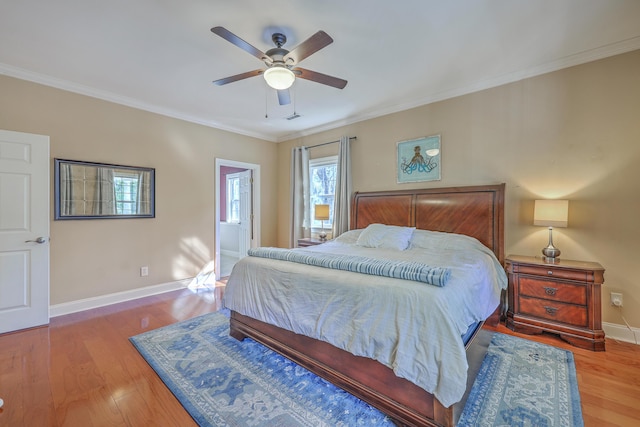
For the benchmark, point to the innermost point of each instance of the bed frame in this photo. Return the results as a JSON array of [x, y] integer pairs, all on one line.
[[476, 211]]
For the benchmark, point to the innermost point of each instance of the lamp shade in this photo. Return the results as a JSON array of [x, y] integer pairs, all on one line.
[[322, 212], [279, 77], [551, 213]]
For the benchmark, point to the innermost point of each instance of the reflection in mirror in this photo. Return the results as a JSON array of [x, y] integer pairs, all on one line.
[[86, 190]]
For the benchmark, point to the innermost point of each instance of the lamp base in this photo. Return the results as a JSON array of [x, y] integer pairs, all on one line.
[[551, 253], [322, 235]]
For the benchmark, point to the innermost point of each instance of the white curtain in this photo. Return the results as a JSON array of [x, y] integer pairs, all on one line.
[[66, 191], [300, 220], [143, 202], [342, 201], [104, 202]]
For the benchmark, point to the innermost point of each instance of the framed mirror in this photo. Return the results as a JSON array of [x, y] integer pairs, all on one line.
[[85, 190]]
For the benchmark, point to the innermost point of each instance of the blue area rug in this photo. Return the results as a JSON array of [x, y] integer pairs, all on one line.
[[523, 383], [223, 382]]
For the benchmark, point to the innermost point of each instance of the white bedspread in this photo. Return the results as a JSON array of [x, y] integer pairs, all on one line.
[[412, 327]]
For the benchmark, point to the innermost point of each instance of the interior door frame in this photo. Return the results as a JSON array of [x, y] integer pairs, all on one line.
[[255, 242]]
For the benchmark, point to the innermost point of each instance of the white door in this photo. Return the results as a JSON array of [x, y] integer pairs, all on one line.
[[246, 220], [24, 230]]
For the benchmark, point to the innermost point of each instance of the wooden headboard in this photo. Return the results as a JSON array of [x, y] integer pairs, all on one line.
[[477, 211]]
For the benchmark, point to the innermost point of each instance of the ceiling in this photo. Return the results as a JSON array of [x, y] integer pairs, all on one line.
[[160, 55]]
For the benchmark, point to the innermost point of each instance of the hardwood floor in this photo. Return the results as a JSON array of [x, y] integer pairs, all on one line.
[[81, 370]]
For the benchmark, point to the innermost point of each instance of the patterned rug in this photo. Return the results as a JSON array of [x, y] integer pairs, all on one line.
[[523, 383], [223, 382]]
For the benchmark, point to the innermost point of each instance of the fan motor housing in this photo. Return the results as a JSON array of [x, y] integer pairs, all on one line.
[[277, 54], [279, 39]]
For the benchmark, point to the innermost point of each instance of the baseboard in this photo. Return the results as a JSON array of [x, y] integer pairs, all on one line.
[[102, 300], [621, 333]]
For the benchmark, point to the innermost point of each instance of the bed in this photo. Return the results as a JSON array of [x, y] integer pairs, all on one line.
[[376, 378]]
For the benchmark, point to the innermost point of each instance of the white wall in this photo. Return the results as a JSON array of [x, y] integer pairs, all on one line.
[[229, 238]]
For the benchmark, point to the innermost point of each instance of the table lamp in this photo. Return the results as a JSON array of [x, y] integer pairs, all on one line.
[[551, 213], [322, 213]]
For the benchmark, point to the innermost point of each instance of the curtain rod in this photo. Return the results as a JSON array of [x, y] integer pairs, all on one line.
[[332, 142]]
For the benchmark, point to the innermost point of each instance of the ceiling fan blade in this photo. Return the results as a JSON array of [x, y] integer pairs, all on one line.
[[309, 47], [324, 79], [284, 97], [232, 38], [237, 77]]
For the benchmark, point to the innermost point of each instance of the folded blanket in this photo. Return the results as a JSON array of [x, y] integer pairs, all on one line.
[[406, 270]]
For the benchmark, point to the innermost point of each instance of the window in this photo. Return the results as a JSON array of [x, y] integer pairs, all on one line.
[[233, 197], [126, 190], [322, 187]]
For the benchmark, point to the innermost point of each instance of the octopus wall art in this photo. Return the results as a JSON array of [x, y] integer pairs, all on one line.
[[419, 159]]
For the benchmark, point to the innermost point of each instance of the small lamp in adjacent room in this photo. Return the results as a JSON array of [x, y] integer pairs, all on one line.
[[551, 213], [322, 213]]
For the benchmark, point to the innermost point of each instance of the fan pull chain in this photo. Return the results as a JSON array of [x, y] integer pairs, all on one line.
[[293, 92]]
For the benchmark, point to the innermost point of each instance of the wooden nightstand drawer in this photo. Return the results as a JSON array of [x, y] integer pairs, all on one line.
[[580, 275], [553, 310], [552, 290]]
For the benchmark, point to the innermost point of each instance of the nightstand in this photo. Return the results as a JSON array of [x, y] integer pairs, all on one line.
[[562, 297], [303, 243]]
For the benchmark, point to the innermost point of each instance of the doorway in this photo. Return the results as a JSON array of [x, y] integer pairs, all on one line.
[[237, 223]]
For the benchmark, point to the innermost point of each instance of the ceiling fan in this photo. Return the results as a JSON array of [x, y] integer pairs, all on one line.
[[281, 63]]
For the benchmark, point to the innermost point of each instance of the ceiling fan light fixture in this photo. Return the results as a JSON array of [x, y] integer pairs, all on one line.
[[279, 77]]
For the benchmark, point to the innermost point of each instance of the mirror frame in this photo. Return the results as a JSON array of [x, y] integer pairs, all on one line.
[[57, 193]]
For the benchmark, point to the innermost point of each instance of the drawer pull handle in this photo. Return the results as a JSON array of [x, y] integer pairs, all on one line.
[[551, 310], [549, 290], [550, 273]]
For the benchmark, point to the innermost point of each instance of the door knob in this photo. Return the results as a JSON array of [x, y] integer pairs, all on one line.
[[38, 240]]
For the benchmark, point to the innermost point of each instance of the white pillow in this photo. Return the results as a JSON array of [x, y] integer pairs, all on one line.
[[385, 236], [349, 237], [442, 240]]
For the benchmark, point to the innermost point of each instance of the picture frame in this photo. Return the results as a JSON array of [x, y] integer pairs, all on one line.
[[419, 160]]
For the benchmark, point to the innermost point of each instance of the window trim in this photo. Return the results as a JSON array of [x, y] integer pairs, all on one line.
[[323, 161]]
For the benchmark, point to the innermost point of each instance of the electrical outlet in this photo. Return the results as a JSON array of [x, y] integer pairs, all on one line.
[[616, 299], [144, 271]]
